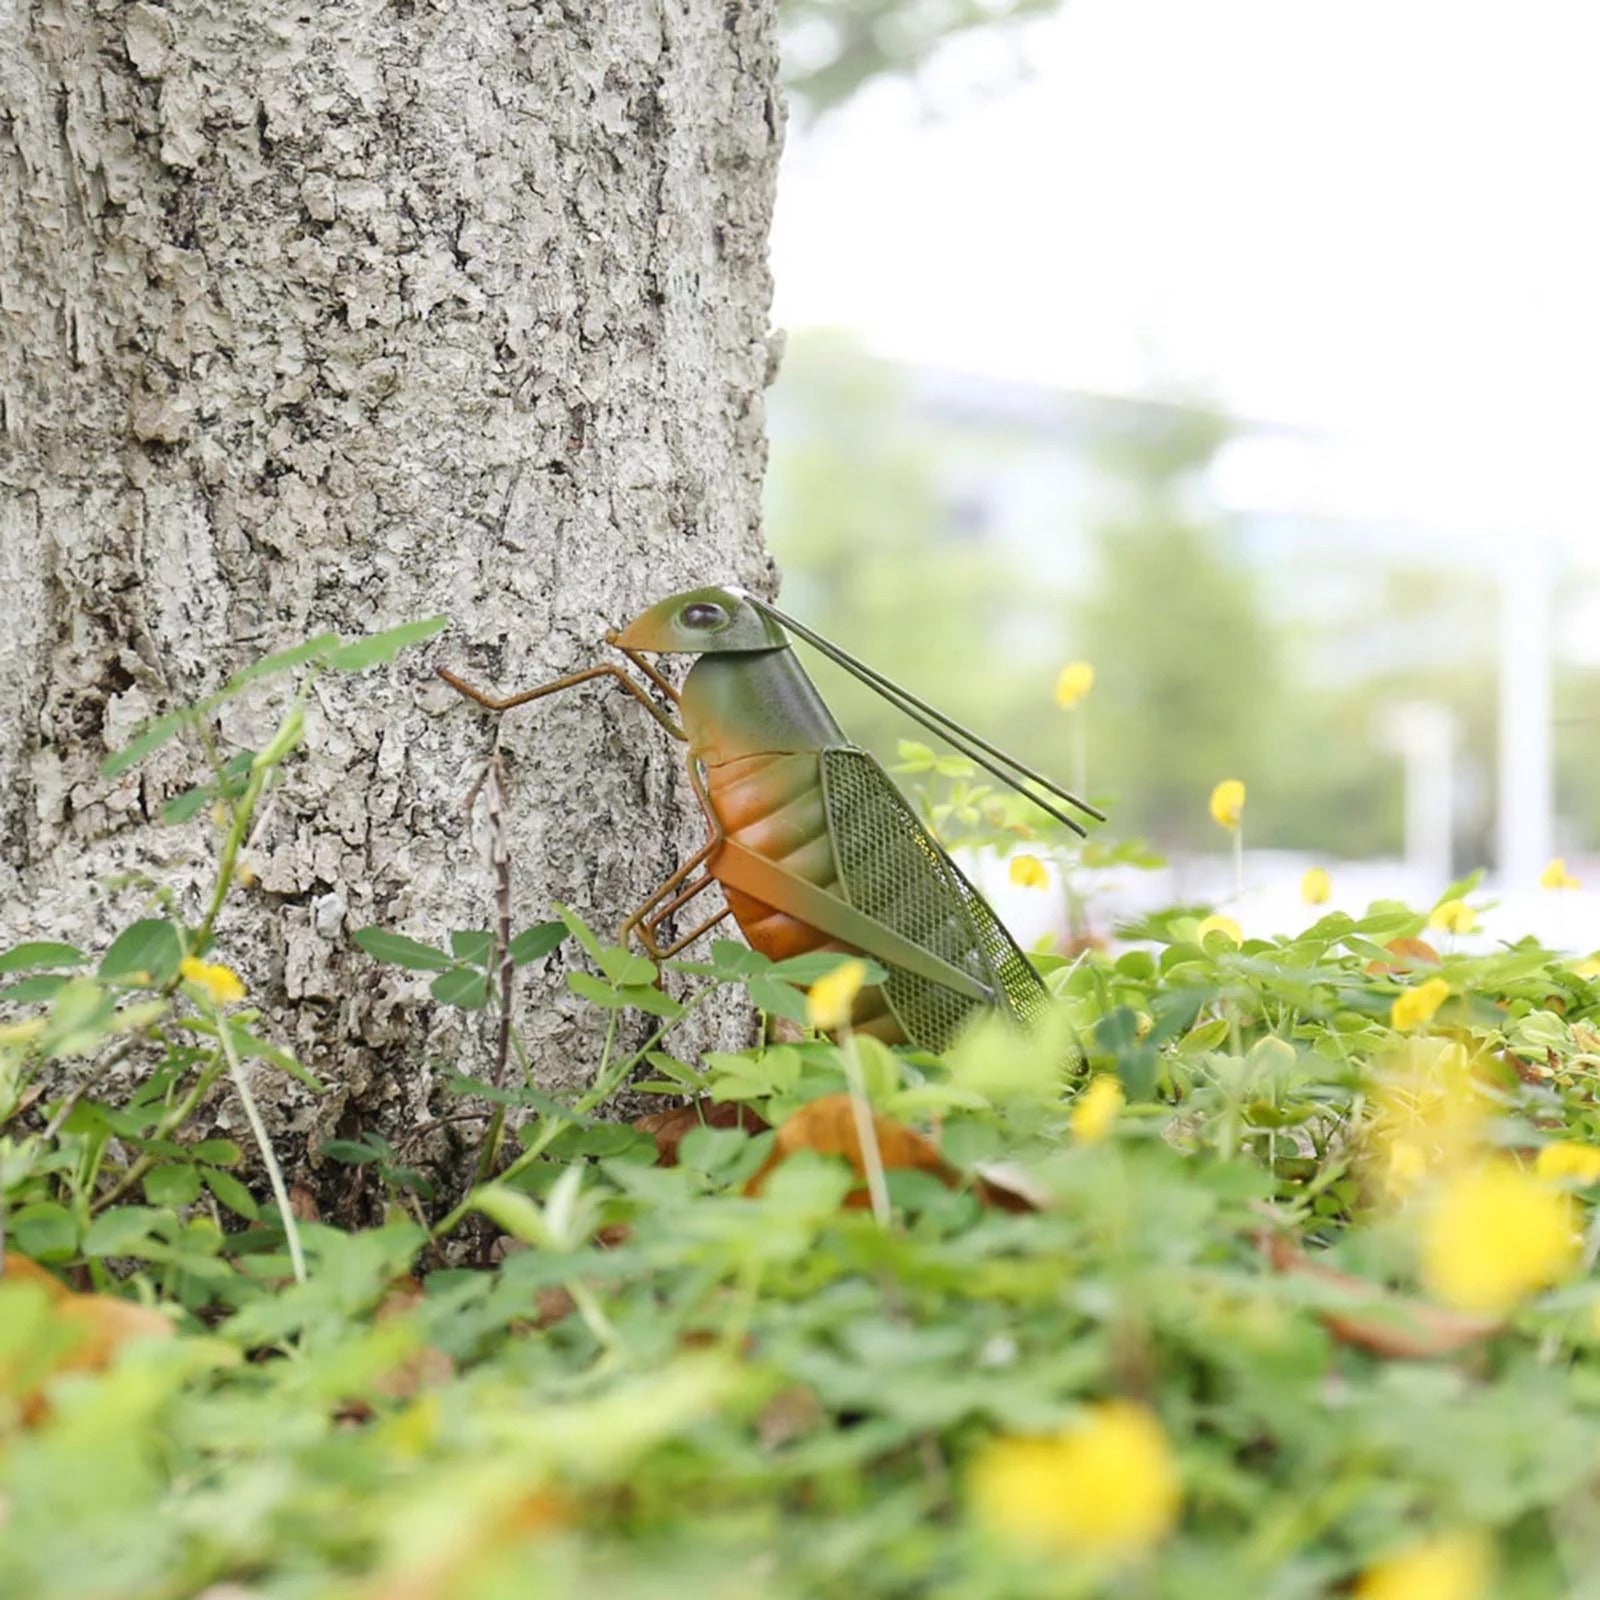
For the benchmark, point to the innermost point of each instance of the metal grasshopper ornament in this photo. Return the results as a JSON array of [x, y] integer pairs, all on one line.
[[813, 845]]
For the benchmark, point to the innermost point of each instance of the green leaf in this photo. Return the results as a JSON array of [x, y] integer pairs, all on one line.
[[737, 960], [714, 1150], [535, 943], [352, 1152], [152, 947], [465, 987], [129, 1231], [44, 1231], [473, 946], [284, 742], [45, 986], [322, 645], [641, 997], [1461, 888], [994, 1059], [511, 1095], [513, 1213], [80, 1017], [597, 990], [880, 1067], [775, 1070], [147, 742], [41, 953], [380, 648], [778, 999], [217, 1152], [679, 1071], [580, 930], [807, 969], [624, 968], [231, 1193], [253, 1046], [399, 951], [183, 806], [914, 756], [644, 997], [172, 1184]]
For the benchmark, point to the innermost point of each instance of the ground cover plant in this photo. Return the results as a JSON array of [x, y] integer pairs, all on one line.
[[1265, 1268]]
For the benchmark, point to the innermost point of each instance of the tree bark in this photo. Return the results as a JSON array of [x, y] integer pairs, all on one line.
[[337, 316]]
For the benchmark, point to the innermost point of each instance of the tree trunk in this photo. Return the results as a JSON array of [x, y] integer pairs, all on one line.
[[336, 317]]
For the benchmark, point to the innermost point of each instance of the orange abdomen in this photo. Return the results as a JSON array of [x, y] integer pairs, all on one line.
[[773, 805]]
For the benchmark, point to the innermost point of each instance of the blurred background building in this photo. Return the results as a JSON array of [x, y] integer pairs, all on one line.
[[1265, 388]]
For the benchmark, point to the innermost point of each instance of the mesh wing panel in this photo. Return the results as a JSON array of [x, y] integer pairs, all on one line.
[[892, 868]]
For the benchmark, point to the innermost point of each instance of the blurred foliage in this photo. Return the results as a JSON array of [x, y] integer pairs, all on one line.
[[832, 47], [684, 1358], [1190, 670], [1258, 1267], [875, 555], [893, 511]]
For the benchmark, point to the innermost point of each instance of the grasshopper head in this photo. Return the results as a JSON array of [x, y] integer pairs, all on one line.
[[701, 621]]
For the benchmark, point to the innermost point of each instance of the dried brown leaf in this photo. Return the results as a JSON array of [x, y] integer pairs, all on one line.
[[1402, 1327], [98, 1325], [671, 1128], [828, 1126], [1408, 954]]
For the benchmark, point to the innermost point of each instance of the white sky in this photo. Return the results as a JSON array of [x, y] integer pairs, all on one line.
[[1381, 217]]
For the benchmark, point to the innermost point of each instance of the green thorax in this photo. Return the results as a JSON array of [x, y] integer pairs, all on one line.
[[745, 703]]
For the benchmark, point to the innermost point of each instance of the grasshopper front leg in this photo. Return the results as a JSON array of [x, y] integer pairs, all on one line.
[[608, 669]]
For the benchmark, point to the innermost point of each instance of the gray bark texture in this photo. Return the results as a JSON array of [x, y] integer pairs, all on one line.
[[332, 317]]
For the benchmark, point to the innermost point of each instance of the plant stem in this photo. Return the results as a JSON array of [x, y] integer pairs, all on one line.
[[269, 1159], [239, 827], [603, 1086], [866, 1133], [173, 1119]]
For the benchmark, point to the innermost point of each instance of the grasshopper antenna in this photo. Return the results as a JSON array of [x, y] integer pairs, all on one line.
[[1010, 771]]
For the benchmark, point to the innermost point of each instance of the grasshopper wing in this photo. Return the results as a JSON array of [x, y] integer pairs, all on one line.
[[894, 870]]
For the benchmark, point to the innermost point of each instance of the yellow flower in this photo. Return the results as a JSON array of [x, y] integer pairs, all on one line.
[[1496, 1234], [1453, 916], [1073, 684], [1029, 872], [1567, 1162], [830, 999], [1449, 1566], [1412, 1007], [1096, 1108], [1406, 1169], [1428, 1111], [222, 985], [1227, 803], [1107, 1486], [1217, 923], [1589, 967], [1316, 886], [1556, 876]]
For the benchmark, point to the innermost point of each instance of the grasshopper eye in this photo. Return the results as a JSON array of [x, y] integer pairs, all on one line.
[[704, 615]]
